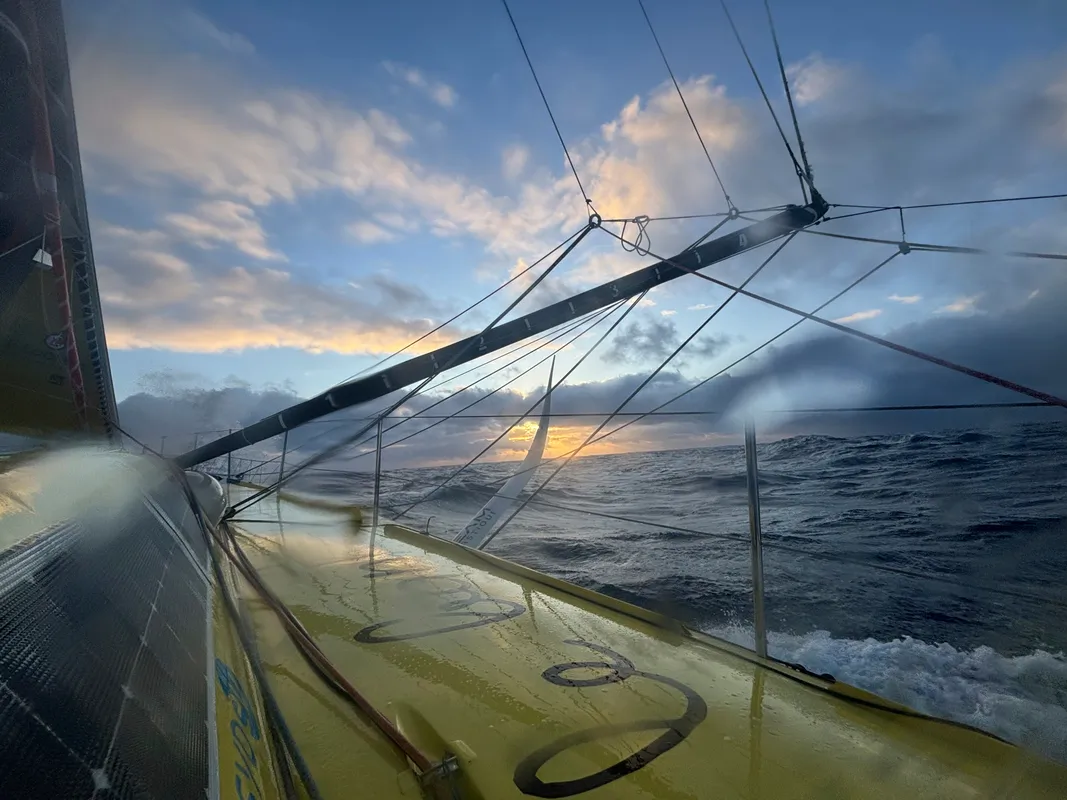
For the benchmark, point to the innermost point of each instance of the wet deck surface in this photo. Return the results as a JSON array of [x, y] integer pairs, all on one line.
[[541, 689]]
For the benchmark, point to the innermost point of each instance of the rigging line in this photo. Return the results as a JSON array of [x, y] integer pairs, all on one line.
[[860, 213], [729, 203], [730, 366], [328, 451], [524, 344], [636, 301], [1037, 394], [752, 67], [699, 241], [596, 320], [449, 396], [789, 95], [548, 108], [961, 202], [937, 248], [699, 216], [592, 318], [134, 439], [464, 311], [570, 457]]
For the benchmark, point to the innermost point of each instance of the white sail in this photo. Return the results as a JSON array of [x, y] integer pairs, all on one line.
[[478, 530]]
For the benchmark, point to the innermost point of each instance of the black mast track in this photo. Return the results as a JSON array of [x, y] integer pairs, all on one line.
[[421, 367]]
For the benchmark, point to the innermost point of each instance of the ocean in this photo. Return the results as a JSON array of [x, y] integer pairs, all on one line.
[[930, 568]]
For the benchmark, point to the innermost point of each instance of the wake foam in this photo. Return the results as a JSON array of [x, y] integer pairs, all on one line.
[[1020, 698]]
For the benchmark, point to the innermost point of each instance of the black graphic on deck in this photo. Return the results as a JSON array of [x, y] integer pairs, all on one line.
[[618, 669], [459, 611]]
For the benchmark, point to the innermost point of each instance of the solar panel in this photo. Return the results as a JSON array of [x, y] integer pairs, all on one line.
[[103, 658]]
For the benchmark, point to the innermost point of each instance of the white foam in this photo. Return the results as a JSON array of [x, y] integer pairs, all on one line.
[[1020, 698]]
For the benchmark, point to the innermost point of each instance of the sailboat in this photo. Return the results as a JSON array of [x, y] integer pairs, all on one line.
[[169, 629]]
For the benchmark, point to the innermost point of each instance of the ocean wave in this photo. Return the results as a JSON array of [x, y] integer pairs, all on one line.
[[728, 482], [1020, 698]]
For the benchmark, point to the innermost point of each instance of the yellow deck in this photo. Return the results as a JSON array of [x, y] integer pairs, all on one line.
[[540, 688]]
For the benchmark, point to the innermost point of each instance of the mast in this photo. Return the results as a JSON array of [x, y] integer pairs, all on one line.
[[404, 374]]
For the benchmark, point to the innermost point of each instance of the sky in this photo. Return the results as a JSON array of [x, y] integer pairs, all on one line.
[[282, 195]]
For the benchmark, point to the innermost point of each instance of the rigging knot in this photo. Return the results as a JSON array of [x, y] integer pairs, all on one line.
[[594, 219], [642, 243], [905, 248]]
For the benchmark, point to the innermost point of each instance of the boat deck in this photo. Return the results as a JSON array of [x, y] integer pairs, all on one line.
[[540, 688]]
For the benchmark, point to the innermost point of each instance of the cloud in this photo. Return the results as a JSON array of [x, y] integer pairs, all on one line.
[[514, 160], [815, 78], [641, 341], [368, 232], [205, 28], [184, 127], [906, 299], [859, 316], [154, 297], [221, 222], [183, 124], [699, 307], [962, 305], [653, 340], [668, 312], [441, 93], [816, 369]]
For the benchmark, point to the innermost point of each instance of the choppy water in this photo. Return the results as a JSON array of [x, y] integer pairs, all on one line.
[[929, 568]]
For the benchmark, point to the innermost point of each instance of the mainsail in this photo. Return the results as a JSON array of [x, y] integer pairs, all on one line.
[[480, 528], [55, 373]]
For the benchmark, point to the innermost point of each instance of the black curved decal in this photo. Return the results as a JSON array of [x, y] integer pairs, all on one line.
[[617, 670], [475, 620], [458, 601]]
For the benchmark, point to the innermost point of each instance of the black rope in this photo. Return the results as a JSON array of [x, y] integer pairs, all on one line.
[[642, 235], [941, 362], [548, 108], [685, 105], [570, 457], [789, 97], [752, 67], [636, 301]]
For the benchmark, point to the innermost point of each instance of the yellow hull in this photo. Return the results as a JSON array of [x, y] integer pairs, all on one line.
[[540, 688]]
